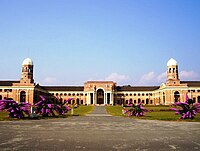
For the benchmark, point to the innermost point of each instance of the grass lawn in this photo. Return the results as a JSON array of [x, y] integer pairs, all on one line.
[[80, 111], [156, 113], [4, 116]]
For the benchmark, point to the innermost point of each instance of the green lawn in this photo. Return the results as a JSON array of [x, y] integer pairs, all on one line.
[[80, 111], [156, 113]]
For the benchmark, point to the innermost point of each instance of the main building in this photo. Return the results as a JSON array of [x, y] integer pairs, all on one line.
[[102, 92]]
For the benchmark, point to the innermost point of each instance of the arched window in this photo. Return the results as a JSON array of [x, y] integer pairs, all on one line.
[[170, 70], [0, 97], [139, 100], [198, 99], [147, 101], [22, 96], [77, 101], [176, 96]]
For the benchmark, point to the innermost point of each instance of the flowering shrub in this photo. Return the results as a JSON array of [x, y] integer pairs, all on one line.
[[46, 107], [188, 109], [136, 110], [16, 110], [62, 107]]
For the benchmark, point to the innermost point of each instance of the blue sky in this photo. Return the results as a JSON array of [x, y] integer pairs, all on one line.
[[72, 41]]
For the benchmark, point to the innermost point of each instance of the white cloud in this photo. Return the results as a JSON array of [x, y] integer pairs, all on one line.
[[188, 75], [148, 77], [152, 78], [162, 77], [50, 80], [117, 77]]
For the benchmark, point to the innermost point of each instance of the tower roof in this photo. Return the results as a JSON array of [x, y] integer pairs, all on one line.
[[27, 61], [172, 62]]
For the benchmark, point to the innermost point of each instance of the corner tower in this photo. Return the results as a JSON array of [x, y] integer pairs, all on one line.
[[172, 73], [27, 72]]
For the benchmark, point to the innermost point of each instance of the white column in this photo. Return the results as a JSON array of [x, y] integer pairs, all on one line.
[[93, 99], [111, 98], [88, 98]]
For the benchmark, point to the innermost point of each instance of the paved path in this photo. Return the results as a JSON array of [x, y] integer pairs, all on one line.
[[93, 133], [99, 111]]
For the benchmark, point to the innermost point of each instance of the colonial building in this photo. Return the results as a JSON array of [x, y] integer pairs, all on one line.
[[102, 92]]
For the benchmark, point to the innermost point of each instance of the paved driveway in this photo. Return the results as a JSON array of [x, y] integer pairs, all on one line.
[[99, 132]]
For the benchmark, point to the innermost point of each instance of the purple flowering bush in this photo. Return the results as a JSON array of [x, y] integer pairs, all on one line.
[[48, 108], [62, 107], [135, 110], [187, 109], [16, 110]]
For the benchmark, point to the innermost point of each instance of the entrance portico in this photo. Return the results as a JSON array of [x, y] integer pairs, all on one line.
[[99, 92]]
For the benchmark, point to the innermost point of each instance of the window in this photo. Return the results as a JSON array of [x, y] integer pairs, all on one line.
[[142, 94], [65, 94], [69, 94], [130, 94], [138, 94], [134, 94], [126, 94]]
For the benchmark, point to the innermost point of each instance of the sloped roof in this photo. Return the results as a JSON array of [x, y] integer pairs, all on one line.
[[64, 88], [8, 83], [136, 88], [192, 83]]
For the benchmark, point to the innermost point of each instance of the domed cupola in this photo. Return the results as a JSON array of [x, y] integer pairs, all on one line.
[[27, 71], [172, 72], [27, 61], [172, 62]]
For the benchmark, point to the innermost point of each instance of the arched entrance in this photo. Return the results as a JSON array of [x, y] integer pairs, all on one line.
[[22, 96], [100, 96], [176, 96]]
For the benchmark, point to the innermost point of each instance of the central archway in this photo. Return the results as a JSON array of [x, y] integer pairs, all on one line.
[[100, 96]]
